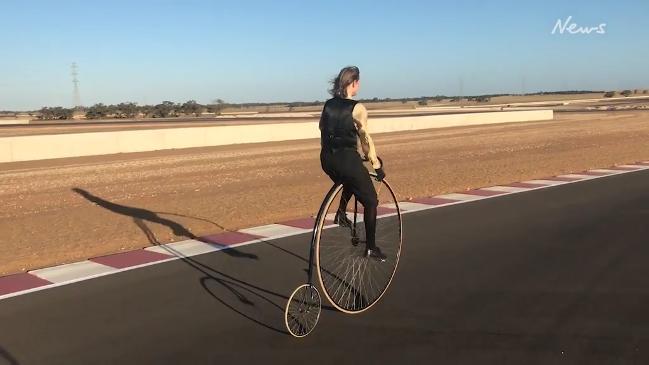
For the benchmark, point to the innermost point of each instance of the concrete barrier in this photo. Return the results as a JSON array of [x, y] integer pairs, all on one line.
[[9, 121], [38, 147]]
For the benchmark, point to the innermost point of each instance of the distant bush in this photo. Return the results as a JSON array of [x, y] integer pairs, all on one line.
[[165, 109], [609, 94], [97, 111], [422, 102], [124, 110], [645, 92], [626, 93], [191, 107], [55, 113]]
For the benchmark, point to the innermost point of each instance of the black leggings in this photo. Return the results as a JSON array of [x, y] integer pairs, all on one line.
[[345, 166]]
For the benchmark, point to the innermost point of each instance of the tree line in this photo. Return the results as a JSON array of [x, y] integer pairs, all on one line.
[[165, 109], [626, 93], [168, 109], [131, 110]]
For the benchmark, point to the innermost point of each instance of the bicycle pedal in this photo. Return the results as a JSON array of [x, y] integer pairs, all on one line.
[[375, 254], [342, 221]]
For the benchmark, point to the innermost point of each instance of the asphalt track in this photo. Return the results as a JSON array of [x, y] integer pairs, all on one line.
[[556, 275]]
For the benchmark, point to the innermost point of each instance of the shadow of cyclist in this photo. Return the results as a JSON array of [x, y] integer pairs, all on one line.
[[259, 305], [7, 358], [139, 215], [250, 301]]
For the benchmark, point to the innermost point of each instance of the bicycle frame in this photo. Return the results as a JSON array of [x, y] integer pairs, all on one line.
[[315, 229]]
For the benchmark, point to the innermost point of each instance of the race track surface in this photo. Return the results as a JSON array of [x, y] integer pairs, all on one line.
[[556, 275]]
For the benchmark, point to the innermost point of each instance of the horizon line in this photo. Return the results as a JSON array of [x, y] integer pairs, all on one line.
[[317, 101]]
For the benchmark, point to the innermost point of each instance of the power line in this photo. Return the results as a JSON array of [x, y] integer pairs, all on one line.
[[75, 82]]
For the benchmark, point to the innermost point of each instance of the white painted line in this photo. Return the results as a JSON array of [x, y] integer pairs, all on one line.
[[578, 176], [635, 166], [608, 171], [389, 205], [73, 271], [458, 196], [507, 189], [545, 182], [274, 231], [55, 285], [411, 207], [185, 248], [388, 215]]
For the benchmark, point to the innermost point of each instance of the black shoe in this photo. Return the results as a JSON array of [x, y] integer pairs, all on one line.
[[375, 253], [342, 220]]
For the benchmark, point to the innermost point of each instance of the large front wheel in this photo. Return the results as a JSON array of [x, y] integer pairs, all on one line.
[[351, 281]]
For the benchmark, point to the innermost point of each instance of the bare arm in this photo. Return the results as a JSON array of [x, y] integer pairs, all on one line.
[[360, 118]]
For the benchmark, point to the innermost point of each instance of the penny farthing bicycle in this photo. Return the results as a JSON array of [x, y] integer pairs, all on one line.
[[350, 281]]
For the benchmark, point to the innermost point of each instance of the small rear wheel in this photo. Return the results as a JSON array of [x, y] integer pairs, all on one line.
[[303, 310]]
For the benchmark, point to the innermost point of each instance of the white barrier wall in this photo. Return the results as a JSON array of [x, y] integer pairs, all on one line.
[[14, 121], [39, 147]]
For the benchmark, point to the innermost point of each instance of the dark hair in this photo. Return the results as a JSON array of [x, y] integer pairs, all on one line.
[[346, 76]]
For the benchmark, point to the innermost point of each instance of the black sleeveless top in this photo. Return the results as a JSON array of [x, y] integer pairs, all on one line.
[[337, 127]]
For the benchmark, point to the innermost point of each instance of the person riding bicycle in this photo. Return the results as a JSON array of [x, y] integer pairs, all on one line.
[[342, 123]]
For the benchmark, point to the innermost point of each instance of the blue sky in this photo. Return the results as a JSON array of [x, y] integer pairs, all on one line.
[[266, 51]]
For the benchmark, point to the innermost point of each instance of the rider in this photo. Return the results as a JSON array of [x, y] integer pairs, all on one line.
[[342, 123]]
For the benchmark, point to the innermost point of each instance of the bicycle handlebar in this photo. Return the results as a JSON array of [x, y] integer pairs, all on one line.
[[365, 159]]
